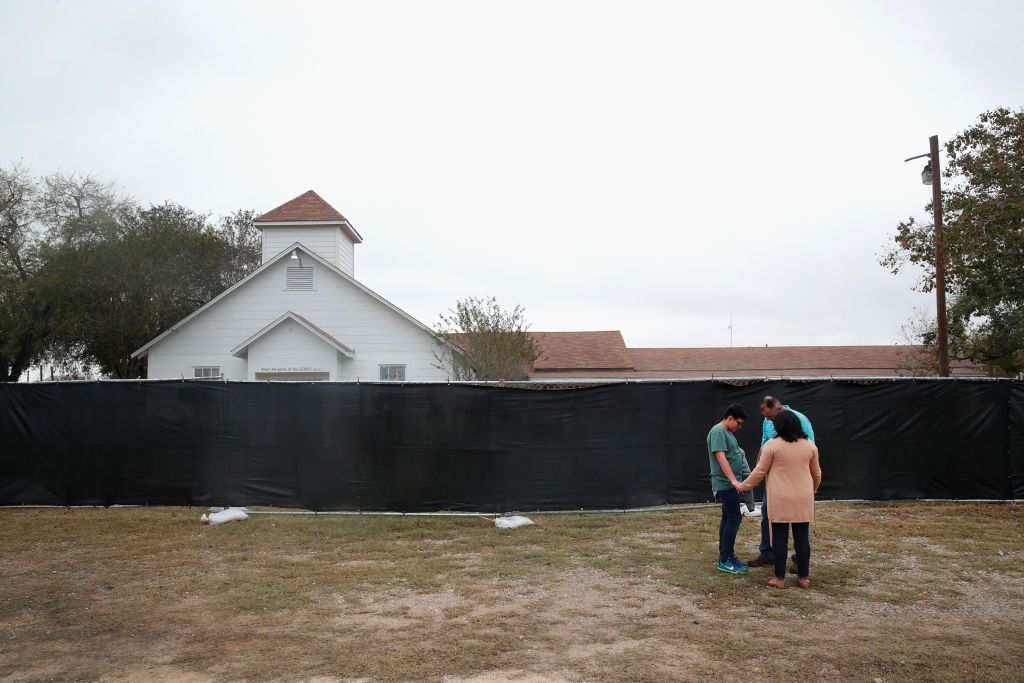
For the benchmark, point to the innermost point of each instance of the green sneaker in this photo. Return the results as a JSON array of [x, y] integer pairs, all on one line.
[[732, 566]]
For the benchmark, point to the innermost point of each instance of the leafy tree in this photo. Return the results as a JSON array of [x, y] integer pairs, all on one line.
[[983, 240], [245, 244], [87, 275], [480, 340], [64, 198], [22, 314], [124, 276], [34, 211]]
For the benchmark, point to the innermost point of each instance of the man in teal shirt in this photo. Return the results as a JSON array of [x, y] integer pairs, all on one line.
[[768, 427], [770, 407], [725, 460]]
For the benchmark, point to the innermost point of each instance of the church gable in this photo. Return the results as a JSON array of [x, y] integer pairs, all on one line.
[[321, 297], [292, 322]]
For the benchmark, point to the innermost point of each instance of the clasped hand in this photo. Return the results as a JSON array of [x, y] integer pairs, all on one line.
[[742, 488]]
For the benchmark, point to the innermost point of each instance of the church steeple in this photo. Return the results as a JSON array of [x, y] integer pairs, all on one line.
[[314, 223], [308, 206]]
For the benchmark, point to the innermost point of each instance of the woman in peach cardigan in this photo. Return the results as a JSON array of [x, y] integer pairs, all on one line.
[[790, 462]]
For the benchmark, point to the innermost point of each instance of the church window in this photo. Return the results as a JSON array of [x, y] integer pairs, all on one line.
[[392, 373]]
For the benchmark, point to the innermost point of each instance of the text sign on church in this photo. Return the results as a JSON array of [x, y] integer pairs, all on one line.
[[292, 369]]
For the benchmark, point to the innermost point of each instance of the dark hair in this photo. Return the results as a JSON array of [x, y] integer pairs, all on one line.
[[769, 401], [787, 426], [735, 410]]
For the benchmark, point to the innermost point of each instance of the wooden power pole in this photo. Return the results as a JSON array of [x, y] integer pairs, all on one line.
[[940, 261]]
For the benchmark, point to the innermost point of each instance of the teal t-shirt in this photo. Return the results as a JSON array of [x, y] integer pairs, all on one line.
[[768, 427], [721, 439]]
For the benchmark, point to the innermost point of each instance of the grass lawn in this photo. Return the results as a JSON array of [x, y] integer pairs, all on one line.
[[909, 591]]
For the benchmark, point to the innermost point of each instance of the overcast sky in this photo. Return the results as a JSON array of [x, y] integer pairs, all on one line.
[[646, 167]]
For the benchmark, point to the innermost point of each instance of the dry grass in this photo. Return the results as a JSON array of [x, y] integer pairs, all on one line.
[[901, 592]]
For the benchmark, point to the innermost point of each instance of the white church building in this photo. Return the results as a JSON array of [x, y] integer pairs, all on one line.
[[301, 315]]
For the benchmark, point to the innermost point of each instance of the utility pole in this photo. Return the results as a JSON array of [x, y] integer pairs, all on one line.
[[940, 261], [931, 176]]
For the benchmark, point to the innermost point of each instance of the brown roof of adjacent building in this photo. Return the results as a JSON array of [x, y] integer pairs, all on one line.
[[604, 354], [581, 350], [758, 358], [308, 206]]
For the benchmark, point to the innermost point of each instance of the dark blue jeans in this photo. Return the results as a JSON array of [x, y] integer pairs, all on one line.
[[730, 524]]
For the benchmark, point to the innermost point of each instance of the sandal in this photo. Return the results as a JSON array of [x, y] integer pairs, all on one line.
[[777, 583]]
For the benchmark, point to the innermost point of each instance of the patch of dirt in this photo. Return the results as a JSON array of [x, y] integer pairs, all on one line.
[[366, 563], [158, 674], [510, 677]]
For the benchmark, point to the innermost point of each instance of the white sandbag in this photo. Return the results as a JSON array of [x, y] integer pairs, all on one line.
[[224, 516], [220, 509], [512, 522], [754, 514]]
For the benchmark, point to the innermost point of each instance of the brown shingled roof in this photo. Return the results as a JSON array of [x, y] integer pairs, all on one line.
[[581, 350], [308, 206], [756, 360], [604, 354]]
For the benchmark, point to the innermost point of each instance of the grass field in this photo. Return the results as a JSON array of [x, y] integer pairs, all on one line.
[[911, 591]]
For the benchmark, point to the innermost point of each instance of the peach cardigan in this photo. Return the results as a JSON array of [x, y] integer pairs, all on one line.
[[794, 475]]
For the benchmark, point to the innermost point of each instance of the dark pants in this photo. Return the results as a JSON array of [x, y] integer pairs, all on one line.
[[766, 540], [730, 524], [801, 543]]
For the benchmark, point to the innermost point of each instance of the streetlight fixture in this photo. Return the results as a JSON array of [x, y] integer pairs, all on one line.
[[930, 176]]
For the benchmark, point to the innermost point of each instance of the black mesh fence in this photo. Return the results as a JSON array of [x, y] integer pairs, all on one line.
[[428, 447]]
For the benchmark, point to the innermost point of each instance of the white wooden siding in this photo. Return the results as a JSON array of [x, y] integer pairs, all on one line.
[[376, 333], [290, 345], [323, 241], [346, 260]]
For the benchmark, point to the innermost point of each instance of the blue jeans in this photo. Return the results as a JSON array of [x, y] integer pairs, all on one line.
[[730, 524]]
